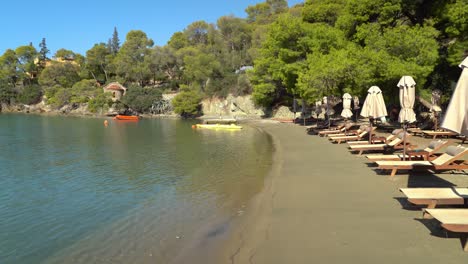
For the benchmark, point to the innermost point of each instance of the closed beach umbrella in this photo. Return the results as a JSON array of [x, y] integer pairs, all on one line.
[[456, 117], [318, 107], [407, 97], [374, 105], [346, 113]]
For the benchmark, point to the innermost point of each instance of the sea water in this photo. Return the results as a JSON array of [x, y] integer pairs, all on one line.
[[75, 191]]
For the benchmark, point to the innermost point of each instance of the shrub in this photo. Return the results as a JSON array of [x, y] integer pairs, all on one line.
[[62, 97], [7, 93], [187, 103], [99, 103], [30, 94], [141, 99]]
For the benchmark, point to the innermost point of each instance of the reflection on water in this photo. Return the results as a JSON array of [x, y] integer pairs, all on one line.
[[75, 191]]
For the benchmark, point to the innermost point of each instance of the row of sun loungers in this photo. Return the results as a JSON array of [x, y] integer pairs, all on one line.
[[428, 158]]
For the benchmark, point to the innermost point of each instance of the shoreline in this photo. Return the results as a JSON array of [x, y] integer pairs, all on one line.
[[322, 204]]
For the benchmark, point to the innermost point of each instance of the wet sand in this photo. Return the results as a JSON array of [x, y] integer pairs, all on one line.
[[322, 204]]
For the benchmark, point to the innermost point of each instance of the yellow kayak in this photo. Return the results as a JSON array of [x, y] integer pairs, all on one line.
[[218, 126]]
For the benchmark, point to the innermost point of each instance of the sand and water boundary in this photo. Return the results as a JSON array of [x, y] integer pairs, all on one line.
[[321, 204]]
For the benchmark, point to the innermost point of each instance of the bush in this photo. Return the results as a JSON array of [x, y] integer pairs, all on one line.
[[61, 97], [7, 93], [30, 94], [187, 103], [99, 103], [141, 99]]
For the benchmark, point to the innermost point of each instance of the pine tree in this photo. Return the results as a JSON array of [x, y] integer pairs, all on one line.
[[115, 42], [44, 50], [42, 54]]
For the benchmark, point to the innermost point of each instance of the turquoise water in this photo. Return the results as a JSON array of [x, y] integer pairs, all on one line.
[[75, 191]]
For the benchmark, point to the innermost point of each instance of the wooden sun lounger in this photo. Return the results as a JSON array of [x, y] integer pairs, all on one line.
[[435, 134], [450, 160], [346, 132], [415, 130], [378, 140], [394, 144], [340, 139], [453, 220], [431, 197], [428, 153], [336, 130]]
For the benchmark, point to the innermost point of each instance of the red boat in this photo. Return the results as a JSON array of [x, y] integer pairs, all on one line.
[[126, 117]]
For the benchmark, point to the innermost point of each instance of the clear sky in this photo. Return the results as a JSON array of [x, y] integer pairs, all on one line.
[[78, 24]]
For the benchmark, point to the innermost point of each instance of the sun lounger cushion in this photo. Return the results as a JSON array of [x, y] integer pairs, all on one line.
[[435, 144], [454, 151]]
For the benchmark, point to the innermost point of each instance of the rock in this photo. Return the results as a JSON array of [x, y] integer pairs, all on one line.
[[283, 112], [231, 106]]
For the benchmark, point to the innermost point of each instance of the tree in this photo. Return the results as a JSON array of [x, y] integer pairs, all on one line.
[[197, 33], [198, 66], [178, 40], [98, 62], [43, 54], [63, 74], [130, 61], [115, 42], [236, 34], [29, 94], [264, 13], [26, 66], [187, 103], [141, 99], [9, 67], [64, 54], [283, 55], [163, 65], [7, 93]]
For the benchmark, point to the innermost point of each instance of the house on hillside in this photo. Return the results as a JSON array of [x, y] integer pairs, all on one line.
[[116, 89]]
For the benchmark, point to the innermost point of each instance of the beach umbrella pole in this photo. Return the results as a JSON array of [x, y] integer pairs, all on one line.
[[405, 127]]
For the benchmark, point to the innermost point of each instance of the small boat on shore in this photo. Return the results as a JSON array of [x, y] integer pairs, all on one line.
[[127, 117], [218, 126]]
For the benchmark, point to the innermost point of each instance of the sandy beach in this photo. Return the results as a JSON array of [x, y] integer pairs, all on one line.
[[322, 204]]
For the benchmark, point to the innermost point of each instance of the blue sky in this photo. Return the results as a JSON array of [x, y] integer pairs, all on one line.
[[79, 24]]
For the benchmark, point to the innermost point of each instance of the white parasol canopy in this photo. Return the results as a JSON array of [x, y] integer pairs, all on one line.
[[318, 107], [407, 97], [456, 117], [374, 105], [346, 113]]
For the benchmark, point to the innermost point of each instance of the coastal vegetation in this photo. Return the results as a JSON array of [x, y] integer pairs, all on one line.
[[276, 53]]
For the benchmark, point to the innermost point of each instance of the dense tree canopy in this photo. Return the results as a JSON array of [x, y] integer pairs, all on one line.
[[320, 47]]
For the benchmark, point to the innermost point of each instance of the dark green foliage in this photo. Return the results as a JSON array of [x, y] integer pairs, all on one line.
[[43, 51], [65, 54], [321, 47], [7, 93], [30, 94], [9, 67], [141, 99], [187, 103], [115, 42], [99, 103], [63, 74]]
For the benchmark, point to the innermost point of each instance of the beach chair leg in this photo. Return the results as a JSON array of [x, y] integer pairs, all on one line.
[[360, 152], [431, 205], [394, 171], [464, 243]]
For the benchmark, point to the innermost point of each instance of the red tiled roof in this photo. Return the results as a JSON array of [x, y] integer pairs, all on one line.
[[115, 86]]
